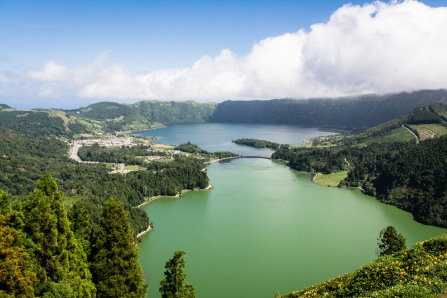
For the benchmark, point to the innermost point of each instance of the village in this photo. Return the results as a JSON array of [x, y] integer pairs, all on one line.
[[114, 141]]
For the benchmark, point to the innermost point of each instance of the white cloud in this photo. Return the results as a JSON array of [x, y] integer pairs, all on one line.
[[378, 47], [51, 71]]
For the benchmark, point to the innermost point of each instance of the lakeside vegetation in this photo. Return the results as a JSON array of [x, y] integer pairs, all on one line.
[[24, 159], [420, 271], [332, 179], [255, 143], [399, 162], [350, 113], [46, 253]]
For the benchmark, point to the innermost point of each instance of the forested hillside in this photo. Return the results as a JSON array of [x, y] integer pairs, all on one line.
[[45, 123], [45, 253], [144, 114], [351, 112], [109, 117], [24, 159], [103, 117], [408, 173]]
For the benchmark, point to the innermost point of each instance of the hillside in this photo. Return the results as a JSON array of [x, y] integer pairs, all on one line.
[[349, 113], [352, 114], [420, 124], [404, 170], [25, 159], [143, 114], [43, 123], [417, 272], [103, 117]]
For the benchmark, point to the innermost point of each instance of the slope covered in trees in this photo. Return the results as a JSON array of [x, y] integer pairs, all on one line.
[[42, 254], [144, 114], [108, 117], [24, 159], [103, 117], [353, 112], [410, 175]]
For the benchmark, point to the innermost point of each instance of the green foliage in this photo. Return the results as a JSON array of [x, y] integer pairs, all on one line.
[[5, 203], [224, 154], [417, 272], [24, 159], [172, 286], [16, 276], [128, 155], [191, 148], [408, 175], [58, 290], [258, 143], [58, 256], [143, 115], [115, 266], [390, 242], [81, 226], [353, 112]]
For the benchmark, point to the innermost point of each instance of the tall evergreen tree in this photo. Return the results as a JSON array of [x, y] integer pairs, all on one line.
[[5, 204], [60, 259], [390, 241], [116, 270], [81, 226], [172, 285], [16, 276]]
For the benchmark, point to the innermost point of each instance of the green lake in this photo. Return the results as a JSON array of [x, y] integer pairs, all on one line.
[[265, 229]]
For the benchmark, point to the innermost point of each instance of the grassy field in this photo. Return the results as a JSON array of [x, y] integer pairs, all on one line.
[[331, 179], [427, 131], [133, 168]]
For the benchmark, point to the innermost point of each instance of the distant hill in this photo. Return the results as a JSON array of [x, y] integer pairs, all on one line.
[[103, 117], [349, 112], [143, 114], [420, 124], [400, 162], [42, 123]]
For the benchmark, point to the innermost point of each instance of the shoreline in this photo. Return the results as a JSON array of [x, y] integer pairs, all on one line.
[[221, 159], [177, 196]]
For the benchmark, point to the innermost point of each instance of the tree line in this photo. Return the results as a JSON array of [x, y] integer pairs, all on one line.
[[405, 174], [349, 112], [25, 159], [259, 143], [47, 253]]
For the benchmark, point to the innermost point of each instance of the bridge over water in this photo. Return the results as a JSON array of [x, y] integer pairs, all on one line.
[[253, 156]]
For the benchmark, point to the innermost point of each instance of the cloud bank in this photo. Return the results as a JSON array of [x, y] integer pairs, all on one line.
[[378, 47]]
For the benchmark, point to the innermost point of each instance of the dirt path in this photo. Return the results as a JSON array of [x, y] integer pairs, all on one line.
[[417, 138]]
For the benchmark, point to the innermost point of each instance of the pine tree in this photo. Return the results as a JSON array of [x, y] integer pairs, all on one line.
[[116, 270], [81, 226], [390, 241], [5, 203], [59, 258], [172, 285], [16, 277]]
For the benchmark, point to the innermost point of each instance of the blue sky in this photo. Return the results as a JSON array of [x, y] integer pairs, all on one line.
[[47, 47]]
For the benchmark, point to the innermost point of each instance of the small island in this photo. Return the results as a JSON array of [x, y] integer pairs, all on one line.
[[259, 143]]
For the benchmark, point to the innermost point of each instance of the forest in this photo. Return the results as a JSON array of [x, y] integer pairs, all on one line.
[[342, 113], [258, 143], [408, 175], [25, 159], [46, 253]]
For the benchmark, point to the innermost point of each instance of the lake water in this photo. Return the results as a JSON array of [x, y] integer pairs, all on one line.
[[219, 136], [265, 229]]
